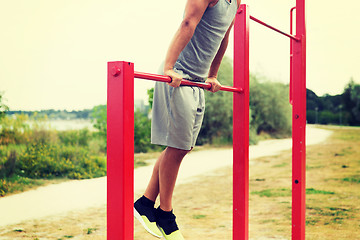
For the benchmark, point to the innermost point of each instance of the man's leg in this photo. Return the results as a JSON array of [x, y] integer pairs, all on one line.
[[152, 190], [144, 209], [168, 171], [164, 176]]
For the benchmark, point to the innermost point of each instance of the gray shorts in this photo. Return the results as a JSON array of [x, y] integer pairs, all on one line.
[[177, 115]]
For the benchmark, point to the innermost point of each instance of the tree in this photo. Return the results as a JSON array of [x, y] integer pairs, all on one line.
[[351, 100], [217, 124], [312, 100], [3, 108], [142, 132], [142, 128], [355, 98], [270, 108], [150, 93], [99, 115]]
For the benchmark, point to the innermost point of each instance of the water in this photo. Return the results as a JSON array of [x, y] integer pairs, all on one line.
[[63, 125]]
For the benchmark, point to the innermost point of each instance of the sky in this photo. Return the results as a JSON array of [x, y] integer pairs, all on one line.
[[54, 54]]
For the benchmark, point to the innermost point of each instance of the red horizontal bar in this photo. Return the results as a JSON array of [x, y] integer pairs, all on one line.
[[275, 29], [162, 78]]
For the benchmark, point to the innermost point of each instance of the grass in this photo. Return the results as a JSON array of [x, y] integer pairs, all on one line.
[[204, 206], [353, 179], [90, 230], [199, 216], [334, 215], [16, 184], [284, 192], [333, 196], [281, 165], [143, 159], [314, 191], [273, 192]]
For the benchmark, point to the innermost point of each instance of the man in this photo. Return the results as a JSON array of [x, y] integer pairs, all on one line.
[[195, 53]]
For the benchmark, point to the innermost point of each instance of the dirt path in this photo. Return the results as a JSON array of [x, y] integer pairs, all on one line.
[[59, 199]]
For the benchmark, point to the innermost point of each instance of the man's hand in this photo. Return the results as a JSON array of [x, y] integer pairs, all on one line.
[[215, 85], [175, 78]]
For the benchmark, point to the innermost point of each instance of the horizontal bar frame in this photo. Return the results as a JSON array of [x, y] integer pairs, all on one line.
[[184, 82], [120, 133], [273, 28]]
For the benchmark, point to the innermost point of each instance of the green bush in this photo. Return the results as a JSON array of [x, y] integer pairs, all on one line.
[[8, 156], [142, 129], [270, 108], [142, 132], [14, 130], [217, 123], [17, 183], [3, 107], [270, 111], [4, 187], [49, 161], [311, 116], [75, 137], [29, 154], [99, 115], [327, 117], [97, 145]]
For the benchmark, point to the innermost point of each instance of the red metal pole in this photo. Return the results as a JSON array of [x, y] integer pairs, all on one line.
[[184, 82], [291, 57], [241, 126], [120, 151], [299, 125]]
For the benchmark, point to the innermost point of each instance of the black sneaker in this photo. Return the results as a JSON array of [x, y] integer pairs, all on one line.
[[144, 211], [167, 225]]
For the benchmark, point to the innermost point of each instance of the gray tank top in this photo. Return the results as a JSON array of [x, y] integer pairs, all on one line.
[[198, 54]]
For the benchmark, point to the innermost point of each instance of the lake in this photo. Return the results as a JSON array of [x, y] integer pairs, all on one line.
[[62, 125]]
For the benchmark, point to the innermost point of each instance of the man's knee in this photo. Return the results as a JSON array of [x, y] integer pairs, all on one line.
[[181, 153]]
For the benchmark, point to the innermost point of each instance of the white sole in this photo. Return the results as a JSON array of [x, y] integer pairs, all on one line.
[[138, 217]]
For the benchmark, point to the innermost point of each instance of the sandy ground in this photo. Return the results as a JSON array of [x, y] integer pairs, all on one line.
[[59, 199]]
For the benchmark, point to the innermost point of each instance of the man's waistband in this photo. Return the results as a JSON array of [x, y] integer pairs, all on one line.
[[188, 76]]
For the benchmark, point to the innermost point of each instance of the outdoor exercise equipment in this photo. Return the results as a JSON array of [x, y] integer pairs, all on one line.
[[120, 131]]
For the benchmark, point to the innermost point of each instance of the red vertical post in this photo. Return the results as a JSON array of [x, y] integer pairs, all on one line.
[[291, 55], [299, 125], [120, 151], [241, 126]]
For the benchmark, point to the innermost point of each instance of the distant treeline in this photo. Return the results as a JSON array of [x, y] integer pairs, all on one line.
[[67, 115], [341, 109], [267, 107], [56, 114]]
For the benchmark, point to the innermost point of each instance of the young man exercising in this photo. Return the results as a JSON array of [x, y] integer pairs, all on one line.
[[195, 53]]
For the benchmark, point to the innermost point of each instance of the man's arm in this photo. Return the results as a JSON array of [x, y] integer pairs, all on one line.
[[194, 11], [214, 68], [215, 65]]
